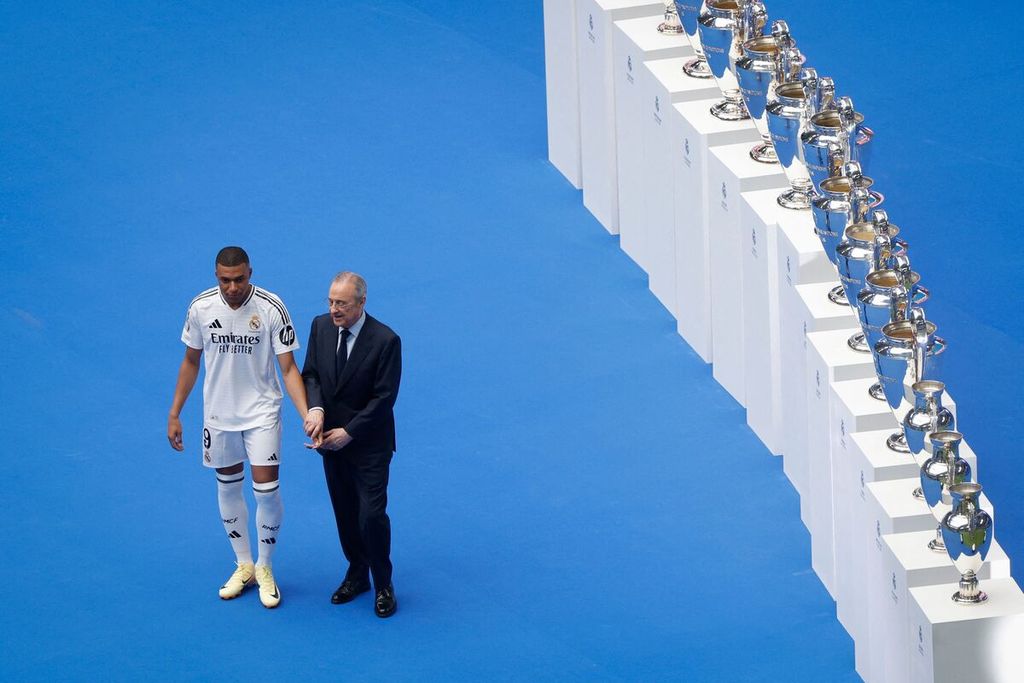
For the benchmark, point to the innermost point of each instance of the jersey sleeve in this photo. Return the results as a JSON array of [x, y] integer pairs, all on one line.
[[192, 334], [282, 332]]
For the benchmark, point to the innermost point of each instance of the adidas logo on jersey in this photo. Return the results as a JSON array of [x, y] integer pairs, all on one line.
[[215, 325], [234, 534], [269, 541], [273, 457]]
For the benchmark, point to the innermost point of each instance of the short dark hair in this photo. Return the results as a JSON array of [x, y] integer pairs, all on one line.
[[232, 256]]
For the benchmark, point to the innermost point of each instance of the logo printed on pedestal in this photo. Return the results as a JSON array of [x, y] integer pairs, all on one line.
[[920, 639], [590, 34], [629, 68], [753, 242], [895, 598], [657, 109], [725, 196], [686, 152]]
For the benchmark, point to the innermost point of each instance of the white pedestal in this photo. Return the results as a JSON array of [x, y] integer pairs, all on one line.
[[664, 85], [829, 360], [635, 41], [952, 643], [563, 91], [594, 22], [731, 172], [907, 562], [800, 260], [761, 359], [805, 309], [853, 410], [695, 132]]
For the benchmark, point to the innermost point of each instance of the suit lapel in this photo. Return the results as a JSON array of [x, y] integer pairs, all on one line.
[[359, 350]]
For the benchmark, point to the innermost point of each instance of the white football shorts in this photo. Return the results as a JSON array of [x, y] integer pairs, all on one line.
[[260, 446]]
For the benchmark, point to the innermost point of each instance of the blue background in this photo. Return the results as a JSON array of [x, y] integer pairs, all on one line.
[[573, 497]]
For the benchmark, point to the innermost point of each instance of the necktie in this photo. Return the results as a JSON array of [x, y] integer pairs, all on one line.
[[342, 354]]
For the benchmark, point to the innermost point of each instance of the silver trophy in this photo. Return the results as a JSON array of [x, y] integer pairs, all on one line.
[[884, 300], [967, 532], [672, 24], [939, 473], [832, 137], [867, 247], [927, 416], [787, 113], [844, 200], [766, 62], [688, 11], [908, 352], [724, 26]]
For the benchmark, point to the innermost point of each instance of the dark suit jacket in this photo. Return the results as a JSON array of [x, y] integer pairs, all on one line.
[[363, 398]]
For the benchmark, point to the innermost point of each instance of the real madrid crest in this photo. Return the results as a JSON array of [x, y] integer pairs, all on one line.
[[254, 322]]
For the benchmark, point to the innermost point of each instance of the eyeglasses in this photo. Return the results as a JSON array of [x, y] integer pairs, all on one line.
[[340, 305]]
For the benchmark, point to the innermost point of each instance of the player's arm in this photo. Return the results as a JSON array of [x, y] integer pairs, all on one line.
[[187, 374], [293, 382]]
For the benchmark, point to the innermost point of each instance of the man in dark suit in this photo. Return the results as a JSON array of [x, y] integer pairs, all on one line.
[[352, 371]]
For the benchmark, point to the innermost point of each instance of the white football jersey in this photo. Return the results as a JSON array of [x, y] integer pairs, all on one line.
[[241, 390]]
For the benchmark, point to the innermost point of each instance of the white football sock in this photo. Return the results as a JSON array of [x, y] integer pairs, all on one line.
[[235, 514], [269, 512]]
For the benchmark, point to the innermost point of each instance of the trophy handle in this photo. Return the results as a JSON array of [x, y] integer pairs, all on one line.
[[920, 327], [825, 95], [848, 124], [880, 219], [809, 81], [758, 19], [780, 32], [899, 304], [789, 65], [860, 202], [882, 251], [836, 158]]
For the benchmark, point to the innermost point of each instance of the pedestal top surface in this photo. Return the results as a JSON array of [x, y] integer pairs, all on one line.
[[831, 346], [853, 395], [912, 552], [643, 32], [668, 74], [737, 159], [895, 499], [799, 229], [814, 298], [763, 204], [879, 456], [1004, 599], [612, 5], [698, 114]]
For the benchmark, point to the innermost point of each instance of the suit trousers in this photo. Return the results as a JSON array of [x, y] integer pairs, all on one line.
[[358, 486]]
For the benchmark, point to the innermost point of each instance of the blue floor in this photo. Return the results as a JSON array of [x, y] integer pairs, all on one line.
[[574, 497]]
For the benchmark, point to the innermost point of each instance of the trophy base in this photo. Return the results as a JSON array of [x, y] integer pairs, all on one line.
[[795, 200], [975, 599], [969, 593], [937, 546], [918, 493], [837, 295], [697, 68], [858, 343], [897, 442], [876, 391], [730, 110], [670, 28], [764, 153]]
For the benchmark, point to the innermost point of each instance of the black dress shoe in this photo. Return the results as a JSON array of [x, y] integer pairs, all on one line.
[[348, 590], [385, 604]]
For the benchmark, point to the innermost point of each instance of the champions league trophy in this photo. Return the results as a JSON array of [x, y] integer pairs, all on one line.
[[883, 300], [867, 247], [943, 470], [927, 416], [724, 26], [967, 532], [844, 201], [767, 61], [688, 11], [907, 353], [832, 137], [793, 104], [671, 26]]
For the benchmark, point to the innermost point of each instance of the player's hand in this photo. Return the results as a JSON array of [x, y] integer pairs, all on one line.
[[313, 425], [335, 439], [174, 433]]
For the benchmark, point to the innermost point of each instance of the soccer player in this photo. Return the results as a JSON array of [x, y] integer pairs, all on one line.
[[241, 327]]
